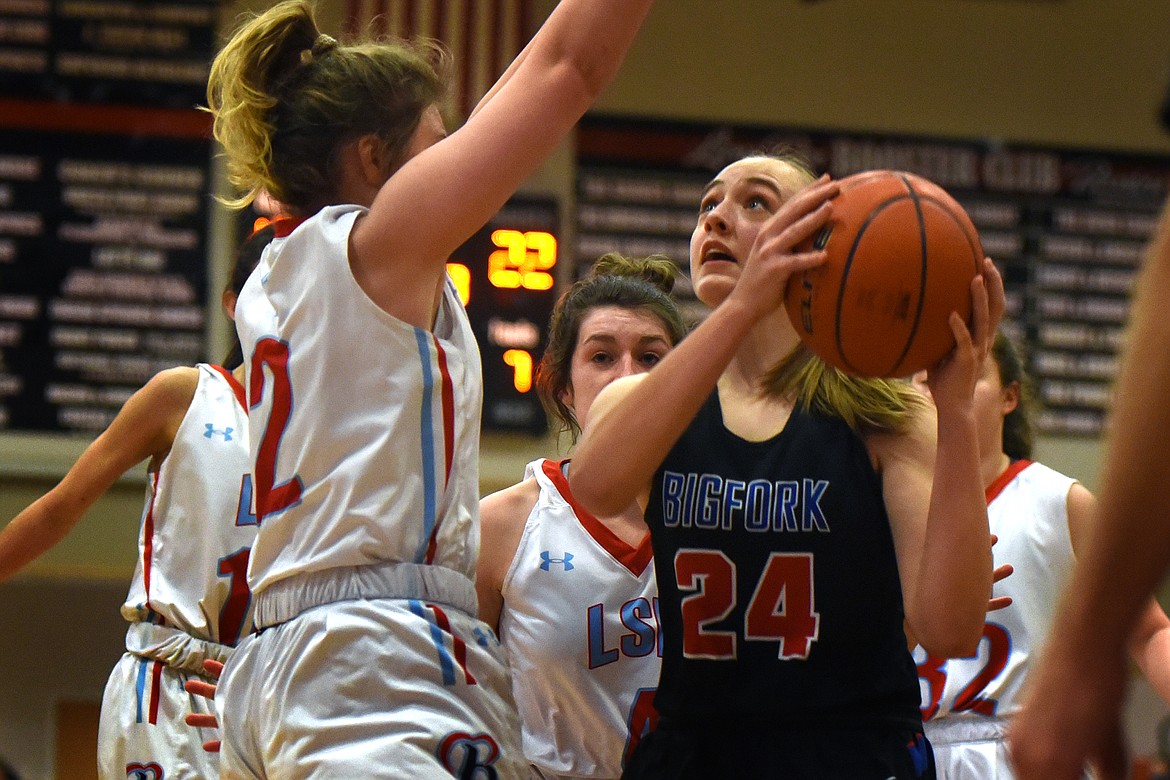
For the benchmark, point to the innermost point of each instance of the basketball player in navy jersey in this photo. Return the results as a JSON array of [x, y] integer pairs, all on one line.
[[572, 595], [797, 514], [188, 600]]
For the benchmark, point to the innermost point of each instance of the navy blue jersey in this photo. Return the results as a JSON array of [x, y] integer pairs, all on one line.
[[778, 585]]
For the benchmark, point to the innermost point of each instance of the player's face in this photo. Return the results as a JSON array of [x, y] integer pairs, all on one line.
[[993, 402], [734, 207], [612, 342]]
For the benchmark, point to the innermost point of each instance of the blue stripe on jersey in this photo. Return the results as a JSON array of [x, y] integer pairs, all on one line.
[[446, 663], [140, 688], [427, 434]]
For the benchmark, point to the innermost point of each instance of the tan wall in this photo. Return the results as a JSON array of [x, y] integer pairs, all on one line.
[[1054, 72]]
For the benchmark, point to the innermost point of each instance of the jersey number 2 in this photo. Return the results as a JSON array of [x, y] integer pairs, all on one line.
[[270, 497], [934, 671], [782, 608]]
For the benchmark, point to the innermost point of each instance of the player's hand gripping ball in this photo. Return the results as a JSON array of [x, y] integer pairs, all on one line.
[[902, 254]]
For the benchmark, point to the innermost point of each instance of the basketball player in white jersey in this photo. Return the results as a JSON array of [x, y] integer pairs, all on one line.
[[189, 599], [365, 387], [1039, 516], [574, 596]]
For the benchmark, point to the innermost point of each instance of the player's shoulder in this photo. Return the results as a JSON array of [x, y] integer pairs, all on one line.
[[172, 388], [510, 507]]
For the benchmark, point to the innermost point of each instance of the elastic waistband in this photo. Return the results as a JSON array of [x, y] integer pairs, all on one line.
[[285, 599], [966, 728], [174, 647]]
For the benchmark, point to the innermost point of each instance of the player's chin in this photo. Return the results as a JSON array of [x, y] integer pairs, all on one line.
[[714, 282]]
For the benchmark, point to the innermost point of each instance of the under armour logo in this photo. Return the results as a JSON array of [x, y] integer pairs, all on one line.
[[226, 433], [484, 637], [547, 560]]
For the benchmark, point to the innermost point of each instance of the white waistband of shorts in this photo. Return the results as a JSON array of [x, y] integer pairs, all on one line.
[[965, 728], [174, 647], [285, 599]]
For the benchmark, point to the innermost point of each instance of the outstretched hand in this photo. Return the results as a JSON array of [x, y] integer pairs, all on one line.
[[207, 691]]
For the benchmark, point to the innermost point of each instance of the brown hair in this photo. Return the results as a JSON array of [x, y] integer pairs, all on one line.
[[247, 258], [285, 98], [614, 280], [1019, 432]]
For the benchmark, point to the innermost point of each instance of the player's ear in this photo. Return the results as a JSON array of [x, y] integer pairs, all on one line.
[[228, 299], [1011, 397]]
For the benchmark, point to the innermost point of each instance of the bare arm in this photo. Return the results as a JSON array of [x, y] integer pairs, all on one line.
[[934, 495], [1126, 554], [447, 192], [502, 517], [145, 427], [1149, 645]]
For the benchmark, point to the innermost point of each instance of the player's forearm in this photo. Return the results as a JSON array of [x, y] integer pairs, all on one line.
[[32, 533], [956, 577]]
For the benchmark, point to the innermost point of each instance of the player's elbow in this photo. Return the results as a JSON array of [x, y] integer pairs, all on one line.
[[956, 636]]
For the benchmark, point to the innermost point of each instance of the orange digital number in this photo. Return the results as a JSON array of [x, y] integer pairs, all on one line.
[[522, 260], [521, 362], [461, 276]]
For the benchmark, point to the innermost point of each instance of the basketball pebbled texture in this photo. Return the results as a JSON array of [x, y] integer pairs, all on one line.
[[901, 257]]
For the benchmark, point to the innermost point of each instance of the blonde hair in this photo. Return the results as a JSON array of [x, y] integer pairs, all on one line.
[[285, 98]]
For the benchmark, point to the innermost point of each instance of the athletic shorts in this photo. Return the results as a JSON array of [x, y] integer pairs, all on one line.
[[971, 748], [861, 753], [368, 687], [142, 733]]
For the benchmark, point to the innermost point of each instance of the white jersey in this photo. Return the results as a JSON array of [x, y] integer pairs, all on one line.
[[966, 700], [365, 429], [580, 629], [189, 599], [197, 528]]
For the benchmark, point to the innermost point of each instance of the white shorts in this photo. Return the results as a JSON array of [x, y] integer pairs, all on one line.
[[141, 732], [369, 687], [970, 748]]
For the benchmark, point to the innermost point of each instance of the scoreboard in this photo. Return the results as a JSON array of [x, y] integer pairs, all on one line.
[[506, 274]]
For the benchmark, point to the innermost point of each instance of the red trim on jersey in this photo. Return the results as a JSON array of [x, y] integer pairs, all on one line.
[[282, 227], [148, 537], [448, 390], [1003, 480], [155, 685], [442, 621], [234, 383], [636, 559]]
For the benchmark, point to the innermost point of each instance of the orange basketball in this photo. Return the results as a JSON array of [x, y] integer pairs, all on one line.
[[902, 255]]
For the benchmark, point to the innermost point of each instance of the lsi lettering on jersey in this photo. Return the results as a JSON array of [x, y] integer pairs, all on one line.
[[716, 503], [640, 619]]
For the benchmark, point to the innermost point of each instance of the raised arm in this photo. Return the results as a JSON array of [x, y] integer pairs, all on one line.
[[447, 192], [934, 492], [145, 427]]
